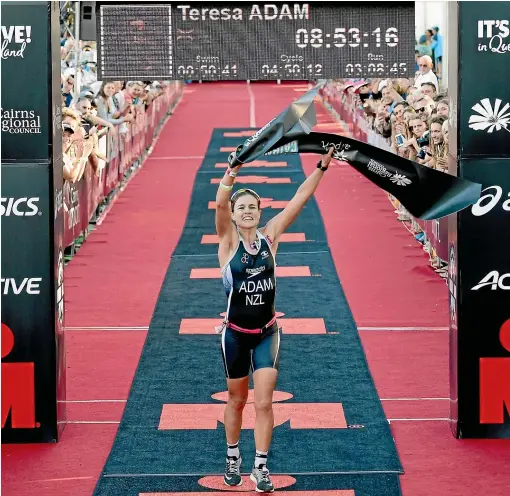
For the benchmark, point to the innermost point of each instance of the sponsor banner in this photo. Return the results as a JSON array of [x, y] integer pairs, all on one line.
[[485, 108], [26, 109], [31, 208], [113, 151], [27, 285], [479, 236], [483, 302]]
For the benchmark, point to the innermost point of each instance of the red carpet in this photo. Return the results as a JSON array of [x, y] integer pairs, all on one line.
[[116, 276], [439, 465]]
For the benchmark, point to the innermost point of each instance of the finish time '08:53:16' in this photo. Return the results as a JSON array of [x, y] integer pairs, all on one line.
[[341, 37]]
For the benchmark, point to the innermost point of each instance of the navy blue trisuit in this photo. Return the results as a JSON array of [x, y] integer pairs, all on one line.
[[250, 339]]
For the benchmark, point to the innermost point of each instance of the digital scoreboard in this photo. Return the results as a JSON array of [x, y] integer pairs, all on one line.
[[238, 41]]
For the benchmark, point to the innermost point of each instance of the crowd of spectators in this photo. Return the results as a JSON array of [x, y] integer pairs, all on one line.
[[98, 108], [411, 116]]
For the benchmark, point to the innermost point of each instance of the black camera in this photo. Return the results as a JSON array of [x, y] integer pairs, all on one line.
[[424, 140], [365, 96]]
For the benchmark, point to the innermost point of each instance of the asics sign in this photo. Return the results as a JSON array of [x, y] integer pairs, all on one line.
[[494, 280], [19, 207]]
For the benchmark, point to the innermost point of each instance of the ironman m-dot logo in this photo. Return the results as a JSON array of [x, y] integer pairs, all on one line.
[[18, 388]]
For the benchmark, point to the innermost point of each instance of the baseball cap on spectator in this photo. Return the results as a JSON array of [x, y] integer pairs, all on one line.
[[382, 85], [88, 54], [346, 86], [87, 93], [422, 48], [67, 127], [359, 85], [95, 87]]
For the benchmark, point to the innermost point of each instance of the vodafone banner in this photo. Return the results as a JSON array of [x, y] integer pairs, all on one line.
[[31, 208]]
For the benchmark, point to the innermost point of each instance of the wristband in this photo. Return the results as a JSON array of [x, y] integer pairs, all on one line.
[[321, 167], [224, 186], [231, 173]]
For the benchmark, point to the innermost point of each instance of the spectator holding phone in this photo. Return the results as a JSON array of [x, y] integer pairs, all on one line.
[[399, 130], [418, 140], [89, 121], [382, 122], [438, 147], [75, 150]]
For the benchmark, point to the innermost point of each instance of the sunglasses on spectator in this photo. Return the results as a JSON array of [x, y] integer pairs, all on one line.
[[422, 65], [421, 109]]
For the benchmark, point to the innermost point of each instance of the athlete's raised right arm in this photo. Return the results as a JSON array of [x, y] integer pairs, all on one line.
[[224, 226]]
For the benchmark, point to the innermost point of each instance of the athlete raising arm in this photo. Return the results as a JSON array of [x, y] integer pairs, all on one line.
[[250, 336]]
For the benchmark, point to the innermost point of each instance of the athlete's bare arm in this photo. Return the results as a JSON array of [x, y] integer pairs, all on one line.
[[224, 227], [279, 223]]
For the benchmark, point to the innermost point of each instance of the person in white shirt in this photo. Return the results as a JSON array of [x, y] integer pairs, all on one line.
[[425, 75]]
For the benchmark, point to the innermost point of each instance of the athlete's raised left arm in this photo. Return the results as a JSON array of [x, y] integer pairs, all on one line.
[[279, 223]]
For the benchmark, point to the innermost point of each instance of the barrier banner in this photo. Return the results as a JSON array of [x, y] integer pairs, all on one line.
[[436, 232], [479, 237], [33, 352]]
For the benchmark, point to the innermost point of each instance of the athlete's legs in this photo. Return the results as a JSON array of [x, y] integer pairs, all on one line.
[[264, 382], [233, 417], [236, 358]]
